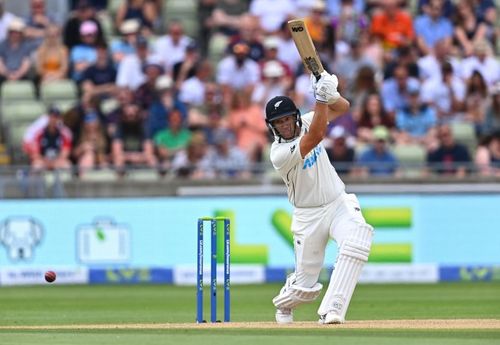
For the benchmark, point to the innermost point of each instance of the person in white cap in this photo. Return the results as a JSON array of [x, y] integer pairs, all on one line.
[[15, 62], [274, 82], [5, 19], [322, 208], [125, 45]]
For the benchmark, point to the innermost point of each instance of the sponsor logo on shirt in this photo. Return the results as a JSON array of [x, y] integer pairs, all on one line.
[[312, 158]]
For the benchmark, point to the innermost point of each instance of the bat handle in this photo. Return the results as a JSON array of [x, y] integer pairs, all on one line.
[[317, 75]]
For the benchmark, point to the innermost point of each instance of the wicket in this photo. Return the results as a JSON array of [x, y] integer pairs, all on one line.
[[213, 269]]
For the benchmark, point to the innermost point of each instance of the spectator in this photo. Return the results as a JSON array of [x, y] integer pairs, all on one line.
[[171, 48], [38, 22], [250, 33], [406, 56], [349, 24], [84, 11], [432, 27], [334, 7], [211, 111], [91, 149], [339, 152], [272, 13], [274, 83], [237, 72], [320, 29], [144, 11], [364, 84], [393, 25], [226, 159], [430, 65], [449, 158], [445, 95], [468, 28], [132, 144], [99, 78], [271, 45], [125, 45], [192, 163], [5, 19], [394, 91], [487, 158], [477, 100], [186, 68], [416, 123], [227, 15], [303, 96], [492, 121], [172, 139], [15, 62], [448, 8], [377, 160], [147, 93], [166, 102], [192, 91], [52, 145], [483, 62], [130, 71], [372, 115], [84, 55], [52, 57], [247, 123], [287, 51]]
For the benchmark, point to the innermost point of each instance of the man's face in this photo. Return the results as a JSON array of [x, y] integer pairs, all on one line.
[[285, 126]]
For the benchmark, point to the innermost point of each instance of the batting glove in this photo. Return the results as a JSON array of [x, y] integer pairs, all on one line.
[[325, 89]]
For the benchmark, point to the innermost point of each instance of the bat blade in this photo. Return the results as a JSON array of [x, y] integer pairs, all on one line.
[[305, 46]]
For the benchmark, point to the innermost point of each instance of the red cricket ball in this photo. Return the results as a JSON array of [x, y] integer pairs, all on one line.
[[50, 276]]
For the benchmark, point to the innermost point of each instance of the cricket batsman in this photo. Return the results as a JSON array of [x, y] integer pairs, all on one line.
[[322, 208]]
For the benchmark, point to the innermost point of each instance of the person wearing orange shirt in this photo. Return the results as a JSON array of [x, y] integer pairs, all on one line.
[[393, 25]]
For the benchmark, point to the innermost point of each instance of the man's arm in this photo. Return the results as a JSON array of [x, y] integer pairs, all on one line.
[[338, 108]]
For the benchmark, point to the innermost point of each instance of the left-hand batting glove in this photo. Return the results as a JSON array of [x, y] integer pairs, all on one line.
[[325, 89]]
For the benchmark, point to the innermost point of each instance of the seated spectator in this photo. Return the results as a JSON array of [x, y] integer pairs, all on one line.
[[192, 163], [483, 62], [91, 149], [84, 11], [487, 158], [130, 72], [147, 93], [303, 97], [145, 11], [192, 91], [432, 27], [227, 15], [98, 80], [492, 119], [468, 28], [446, 95], [393, 25], [52, 144], [237, 72], [52, 57], [38, 22], [339, 152], [247, 123], [476, 100], [172, 139], [416, 123], [406, 56], [125, 45], [272, 13], [364, 84], [166, 102], [185, 69], [394, 91], [287, 52], [15, 51], [271, 45], [430, 65], [83, 55], [372, 115], [5, 19], [449, 158], [274, 83], [171, 48], [226, 159], [318, 25], [377, 160], [250, 33], [132, 144], [349, 24], [202, 116]]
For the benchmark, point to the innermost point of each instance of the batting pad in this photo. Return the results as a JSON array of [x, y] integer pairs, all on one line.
[[294, 295], [352, 256]]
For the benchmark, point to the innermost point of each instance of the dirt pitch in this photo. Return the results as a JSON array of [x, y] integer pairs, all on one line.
[[376, 324]]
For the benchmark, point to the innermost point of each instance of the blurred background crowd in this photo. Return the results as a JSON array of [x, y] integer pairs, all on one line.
[[179, 86]]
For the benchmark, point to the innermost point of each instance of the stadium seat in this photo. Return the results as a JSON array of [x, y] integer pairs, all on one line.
[[102, 175], [26, 111], [465, 134], [58, 90], [412, 159], [13, 91]]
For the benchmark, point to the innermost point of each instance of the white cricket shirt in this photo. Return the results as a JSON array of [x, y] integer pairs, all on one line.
[[312, 181]]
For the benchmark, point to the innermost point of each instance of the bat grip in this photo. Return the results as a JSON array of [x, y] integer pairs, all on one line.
[[317, 75]]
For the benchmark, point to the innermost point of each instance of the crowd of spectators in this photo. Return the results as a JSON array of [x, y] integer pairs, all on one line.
[[412, 72]]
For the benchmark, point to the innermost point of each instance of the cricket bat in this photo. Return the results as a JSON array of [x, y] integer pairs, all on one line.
[[305, 46]]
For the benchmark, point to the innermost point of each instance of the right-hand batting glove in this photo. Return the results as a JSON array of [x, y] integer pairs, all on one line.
[[325, 89]]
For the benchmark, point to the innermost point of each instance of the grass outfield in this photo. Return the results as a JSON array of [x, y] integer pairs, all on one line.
[[152, 306]]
